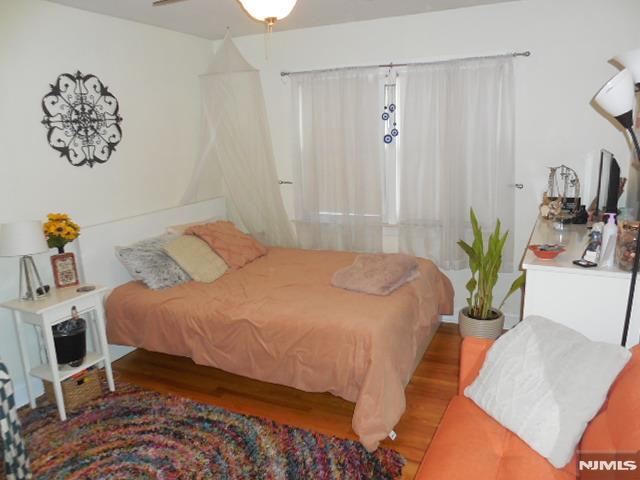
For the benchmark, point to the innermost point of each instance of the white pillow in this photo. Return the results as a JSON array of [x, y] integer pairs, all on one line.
[[545, 382]]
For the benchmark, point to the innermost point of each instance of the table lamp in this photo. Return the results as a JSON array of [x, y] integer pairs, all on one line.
[[23, 239], [618, 99]]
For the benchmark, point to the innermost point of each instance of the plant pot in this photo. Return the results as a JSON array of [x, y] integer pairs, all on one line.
[[473, 327]]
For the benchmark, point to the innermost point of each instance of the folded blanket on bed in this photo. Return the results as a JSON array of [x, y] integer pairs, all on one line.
[[377, 274]]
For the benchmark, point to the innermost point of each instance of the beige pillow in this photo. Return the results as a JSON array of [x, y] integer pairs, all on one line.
[[196, 258]]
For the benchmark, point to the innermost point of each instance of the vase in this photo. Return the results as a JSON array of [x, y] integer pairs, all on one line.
[[474, 327], [65, 272]]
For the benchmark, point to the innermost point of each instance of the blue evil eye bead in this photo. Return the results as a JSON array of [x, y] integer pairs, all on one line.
[[385, 116], [392, 107], [388, 139], [395, 132]]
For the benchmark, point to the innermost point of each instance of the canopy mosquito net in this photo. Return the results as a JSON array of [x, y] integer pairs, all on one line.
[[236, 153]]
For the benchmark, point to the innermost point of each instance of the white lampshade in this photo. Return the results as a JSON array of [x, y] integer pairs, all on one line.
[[22, 238], [264, 10], [618, 98], [631, 61]]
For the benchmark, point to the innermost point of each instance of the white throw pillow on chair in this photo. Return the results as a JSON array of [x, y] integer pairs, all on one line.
[[545, 382]]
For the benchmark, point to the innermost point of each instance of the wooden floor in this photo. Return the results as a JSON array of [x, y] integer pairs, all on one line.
[[432, 386]]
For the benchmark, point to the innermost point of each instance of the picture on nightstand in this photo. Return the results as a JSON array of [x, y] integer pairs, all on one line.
[[65, 272]]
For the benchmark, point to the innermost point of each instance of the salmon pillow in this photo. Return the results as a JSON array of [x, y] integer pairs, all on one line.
[[234, 247]]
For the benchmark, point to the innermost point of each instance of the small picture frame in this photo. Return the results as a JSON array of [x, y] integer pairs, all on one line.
[[65, 272]]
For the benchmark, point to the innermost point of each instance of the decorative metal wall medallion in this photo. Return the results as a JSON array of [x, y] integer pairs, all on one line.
[[82, 118]]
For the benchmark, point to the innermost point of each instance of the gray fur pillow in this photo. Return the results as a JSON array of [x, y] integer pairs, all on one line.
[[147, 261]]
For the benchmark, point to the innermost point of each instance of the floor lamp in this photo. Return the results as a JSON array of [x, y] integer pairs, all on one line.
[[618, 99]]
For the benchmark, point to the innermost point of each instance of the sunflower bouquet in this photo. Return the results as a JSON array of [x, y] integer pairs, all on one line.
[[60, 230]]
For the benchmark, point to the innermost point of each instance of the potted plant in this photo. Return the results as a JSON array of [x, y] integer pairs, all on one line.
[[480, 318]]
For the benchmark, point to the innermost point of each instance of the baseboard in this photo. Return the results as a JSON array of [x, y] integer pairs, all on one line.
[[511, 320], [449, 318], [20, 391], [118, 351]]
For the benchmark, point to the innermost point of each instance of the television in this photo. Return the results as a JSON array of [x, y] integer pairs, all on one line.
[[608, 184]]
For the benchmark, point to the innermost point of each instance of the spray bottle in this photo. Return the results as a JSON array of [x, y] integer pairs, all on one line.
[[609, 238]]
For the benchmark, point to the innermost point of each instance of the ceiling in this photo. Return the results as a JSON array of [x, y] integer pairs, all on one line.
[[210, 18]]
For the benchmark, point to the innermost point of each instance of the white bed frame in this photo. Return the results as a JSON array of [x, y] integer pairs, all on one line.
[[95, 246]]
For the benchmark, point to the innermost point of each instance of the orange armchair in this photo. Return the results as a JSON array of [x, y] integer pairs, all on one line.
[[469, 444]]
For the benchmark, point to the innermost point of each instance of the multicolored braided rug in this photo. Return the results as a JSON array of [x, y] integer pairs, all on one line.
[[138, 434]]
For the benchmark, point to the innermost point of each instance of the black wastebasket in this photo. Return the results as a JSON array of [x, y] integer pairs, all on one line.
[[70, 338]]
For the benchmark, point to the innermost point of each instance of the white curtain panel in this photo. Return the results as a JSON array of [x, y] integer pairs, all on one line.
[[456, 151], [339, 159], [236, 146]]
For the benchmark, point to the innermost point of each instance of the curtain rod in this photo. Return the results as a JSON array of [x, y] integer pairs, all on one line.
[[393, 65]]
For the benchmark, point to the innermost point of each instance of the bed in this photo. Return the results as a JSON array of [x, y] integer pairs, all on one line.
[[279, 320]]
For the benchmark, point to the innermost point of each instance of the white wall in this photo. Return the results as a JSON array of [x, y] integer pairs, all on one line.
[[154, 75], [571, 42]]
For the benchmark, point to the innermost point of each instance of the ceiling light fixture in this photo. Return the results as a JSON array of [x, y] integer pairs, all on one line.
[[268, 11]]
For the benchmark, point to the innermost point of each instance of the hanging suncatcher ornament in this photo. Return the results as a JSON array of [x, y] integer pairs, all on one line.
[[389, 115]]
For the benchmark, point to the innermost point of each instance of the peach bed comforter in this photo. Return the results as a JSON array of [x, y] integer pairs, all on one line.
[[279, 320]]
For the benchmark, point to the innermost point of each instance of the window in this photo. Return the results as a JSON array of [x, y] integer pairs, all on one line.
[[415, 150]]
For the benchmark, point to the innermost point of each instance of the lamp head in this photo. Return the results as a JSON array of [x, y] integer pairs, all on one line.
[[617, 98], [22, 238], [631, 61]]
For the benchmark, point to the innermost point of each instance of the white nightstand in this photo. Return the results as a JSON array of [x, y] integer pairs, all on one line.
[[53, 309]]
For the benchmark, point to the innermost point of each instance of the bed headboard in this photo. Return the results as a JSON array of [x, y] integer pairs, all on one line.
[[95, 247]]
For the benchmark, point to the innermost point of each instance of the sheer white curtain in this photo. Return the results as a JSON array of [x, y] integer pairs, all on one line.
[[339, 159], [456, 152]]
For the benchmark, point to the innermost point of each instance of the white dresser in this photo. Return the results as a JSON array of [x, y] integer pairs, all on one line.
[[592, 301]]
